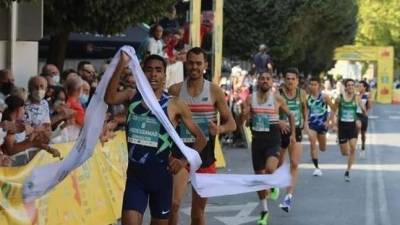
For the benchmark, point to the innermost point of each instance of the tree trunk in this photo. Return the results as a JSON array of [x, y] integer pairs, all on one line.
[[57, 49]]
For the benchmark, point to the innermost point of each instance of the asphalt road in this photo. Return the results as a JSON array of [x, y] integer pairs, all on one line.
[[371, 198]]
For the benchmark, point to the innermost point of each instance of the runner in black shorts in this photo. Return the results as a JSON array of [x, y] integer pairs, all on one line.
[[347, 104], [318, 121], [362, 119], [261, 111], [296, 101], [150, 167]]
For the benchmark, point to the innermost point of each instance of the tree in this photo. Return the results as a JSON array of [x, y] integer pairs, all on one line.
[[379, 25], [302, 33], [95, 16]]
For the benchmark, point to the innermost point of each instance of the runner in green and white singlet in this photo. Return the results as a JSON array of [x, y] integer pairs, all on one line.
[[297, 103], [346, 105]]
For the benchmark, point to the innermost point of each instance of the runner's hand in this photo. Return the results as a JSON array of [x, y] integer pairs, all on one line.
[[214, 129], [285, 128], [175, 165]]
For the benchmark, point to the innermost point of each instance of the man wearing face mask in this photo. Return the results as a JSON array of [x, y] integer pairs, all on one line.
[[37, 109], [52, 74], [84, 97], [6, 86]]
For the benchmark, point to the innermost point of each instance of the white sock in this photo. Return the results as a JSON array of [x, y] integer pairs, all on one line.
[[264, 204]]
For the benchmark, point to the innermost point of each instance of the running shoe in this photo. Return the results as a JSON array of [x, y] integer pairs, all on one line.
[[317, 172], [347, 176], [287, 203], [274, 194], [263, 218]]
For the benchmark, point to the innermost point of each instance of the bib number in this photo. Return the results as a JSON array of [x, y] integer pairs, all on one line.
[[260, 123], [143, 130], [187, 137]]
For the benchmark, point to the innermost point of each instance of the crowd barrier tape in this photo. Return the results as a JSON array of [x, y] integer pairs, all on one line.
[[92, 194]]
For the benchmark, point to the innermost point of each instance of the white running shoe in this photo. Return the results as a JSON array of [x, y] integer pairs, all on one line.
[[317, 173]]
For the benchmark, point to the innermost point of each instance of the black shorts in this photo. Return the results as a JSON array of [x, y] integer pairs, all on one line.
[[265, 145], [151, 185], [285, 141], [347, 131], [364, 121]]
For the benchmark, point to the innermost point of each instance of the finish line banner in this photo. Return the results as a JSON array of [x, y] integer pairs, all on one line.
[[91, 194]]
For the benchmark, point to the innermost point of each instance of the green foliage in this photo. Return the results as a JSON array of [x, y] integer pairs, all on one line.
[[100, 16], [379, 25], [302, 33], [7, 3]]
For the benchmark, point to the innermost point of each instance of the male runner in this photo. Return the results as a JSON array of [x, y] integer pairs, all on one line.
[[149, 178], [347, 104], [362, 119], [296, 100], [261, 111], [317, 104], [205, 100]]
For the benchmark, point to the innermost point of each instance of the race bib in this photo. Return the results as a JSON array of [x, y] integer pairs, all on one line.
[[143, 130], [187, 137], [260, 122], [348, 116]]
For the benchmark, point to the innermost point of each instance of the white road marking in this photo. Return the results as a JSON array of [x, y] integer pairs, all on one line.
[[366, 167], [242, 217]]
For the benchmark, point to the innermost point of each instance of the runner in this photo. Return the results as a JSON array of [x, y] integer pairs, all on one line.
[[261, 110], [362, 119], [205, 100], [346, 104], [296, 100], [317, 104], [149, 177]]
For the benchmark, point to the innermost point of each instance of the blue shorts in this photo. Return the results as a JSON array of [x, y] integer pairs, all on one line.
[[148, 184], [320, 129]]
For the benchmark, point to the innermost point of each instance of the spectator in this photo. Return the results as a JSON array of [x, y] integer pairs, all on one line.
[[170, 22], [67, 74], [6, 86], [84, 97], [52, 74], [18, 142], [37, 109], [73, 87], [28, 140], [88, 73], [59, 112], [262, 61], [153, 44]]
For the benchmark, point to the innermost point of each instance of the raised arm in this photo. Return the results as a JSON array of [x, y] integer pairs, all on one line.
[[246, 107], [113, 96]]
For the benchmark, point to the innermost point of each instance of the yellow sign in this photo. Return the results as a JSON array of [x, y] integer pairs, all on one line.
[[384, 57], [195, 23], [91, 194], [218, 37]]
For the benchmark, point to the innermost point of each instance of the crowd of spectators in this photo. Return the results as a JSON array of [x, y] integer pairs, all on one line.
[[50, 111]]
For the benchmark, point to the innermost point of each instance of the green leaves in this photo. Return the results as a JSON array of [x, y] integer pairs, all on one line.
[[302, 33], [379, 24], [99, 16]]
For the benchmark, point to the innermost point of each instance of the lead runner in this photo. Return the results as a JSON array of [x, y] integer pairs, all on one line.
[[150, 167]]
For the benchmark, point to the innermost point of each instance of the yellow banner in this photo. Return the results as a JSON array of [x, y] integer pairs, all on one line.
[[91, 194], [218, 37]]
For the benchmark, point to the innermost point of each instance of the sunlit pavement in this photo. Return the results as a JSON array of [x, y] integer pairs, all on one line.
[[371, 198]]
